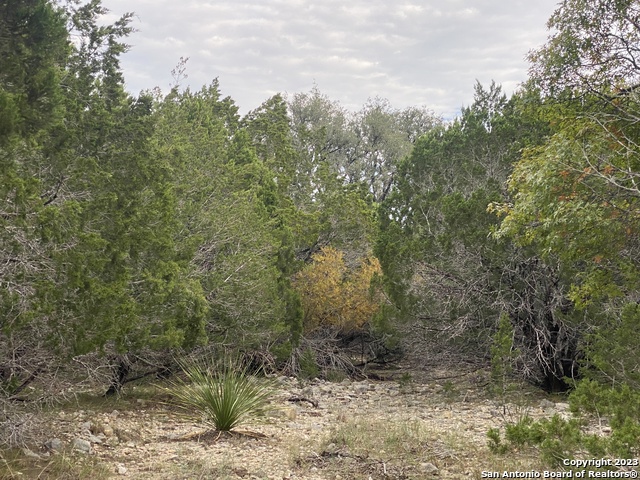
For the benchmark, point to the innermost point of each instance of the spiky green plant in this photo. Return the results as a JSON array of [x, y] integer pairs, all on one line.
[[226, 395]]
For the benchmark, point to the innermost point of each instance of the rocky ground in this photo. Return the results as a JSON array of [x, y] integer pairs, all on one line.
[[402, 429]]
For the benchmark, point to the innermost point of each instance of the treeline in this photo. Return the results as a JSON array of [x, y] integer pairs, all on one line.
[[136, 230], [139, 229]]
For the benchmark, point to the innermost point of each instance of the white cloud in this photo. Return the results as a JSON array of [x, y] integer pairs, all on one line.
[[419, 52]]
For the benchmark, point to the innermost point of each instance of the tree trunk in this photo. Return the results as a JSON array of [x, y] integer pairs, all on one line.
[[120, 372]]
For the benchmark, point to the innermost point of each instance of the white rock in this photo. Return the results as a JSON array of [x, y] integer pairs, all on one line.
[[54, 445], [544, 403], [361, 387], [30, 454], [81, 445], [429, 468]]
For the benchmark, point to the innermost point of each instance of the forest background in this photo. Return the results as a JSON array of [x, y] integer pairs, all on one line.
[[137, 230]]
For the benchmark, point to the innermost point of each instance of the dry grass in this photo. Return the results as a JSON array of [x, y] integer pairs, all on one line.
[[367, 442], [66, 465], [361, 448]]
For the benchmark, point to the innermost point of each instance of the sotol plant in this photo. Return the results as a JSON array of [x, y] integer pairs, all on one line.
[[226, 395]]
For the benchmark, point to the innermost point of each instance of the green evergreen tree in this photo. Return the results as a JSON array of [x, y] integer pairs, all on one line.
[[89, 209], [442, 268], [228, 212], [575, 198]]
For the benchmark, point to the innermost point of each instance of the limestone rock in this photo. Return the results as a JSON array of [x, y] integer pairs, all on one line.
[[81, 445], [54, 445], [429, 469], [544, 403], [28, 453]]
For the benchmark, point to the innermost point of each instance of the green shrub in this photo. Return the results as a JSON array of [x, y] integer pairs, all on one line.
[[405, 383], [503, 356], [226, 396], [496, 445], [556, 439], [611, 384], [309, 368], [620, 405], [609, 389]]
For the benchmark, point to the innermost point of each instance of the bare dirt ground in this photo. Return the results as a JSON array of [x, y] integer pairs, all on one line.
[[398, 429]]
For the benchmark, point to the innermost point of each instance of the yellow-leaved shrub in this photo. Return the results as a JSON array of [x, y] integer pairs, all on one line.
[[334, 295]]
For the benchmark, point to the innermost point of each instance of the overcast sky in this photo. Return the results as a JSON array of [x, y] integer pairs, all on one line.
[[415, 52]]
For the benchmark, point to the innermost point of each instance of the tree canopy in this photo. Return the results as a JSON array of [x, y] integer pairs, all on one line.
[[138, 229]]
